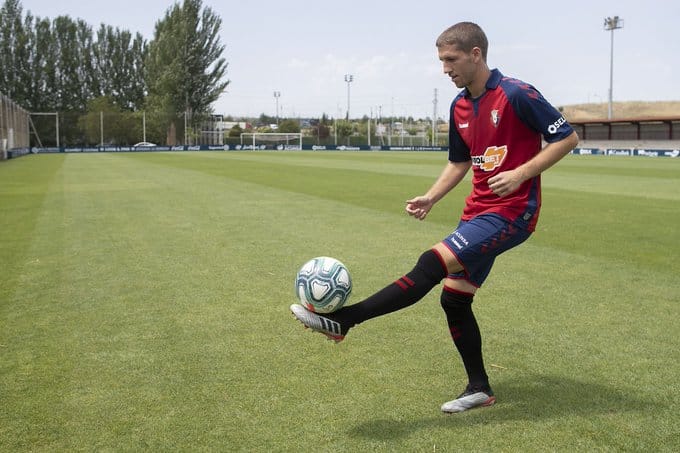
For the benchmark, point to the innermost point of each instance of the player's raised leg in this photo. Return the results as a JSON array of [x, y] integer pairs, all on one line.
[[428, 272]]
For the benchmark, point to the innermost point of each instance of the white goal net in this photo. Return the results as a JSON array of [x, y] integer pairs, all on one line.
[[272, 140]]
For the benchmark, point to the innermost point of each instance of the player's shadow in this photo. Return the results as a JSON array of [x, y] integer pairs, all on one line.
[[534, 398]]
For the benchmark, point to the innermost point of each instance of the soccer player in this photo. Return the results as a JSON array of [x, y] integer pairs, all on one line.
[[497, 127]]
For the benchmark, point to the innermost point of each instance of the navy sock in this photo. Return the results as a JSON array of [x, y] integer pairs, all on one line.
[[466, 335], [405, 291]]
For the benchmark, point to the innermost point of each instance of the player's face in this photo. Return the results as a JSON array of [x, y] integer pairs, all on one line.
[[459, 65]]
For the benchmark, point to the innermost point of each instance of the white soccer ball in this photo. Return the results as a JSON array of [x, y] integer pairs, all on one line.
[[323, 284]]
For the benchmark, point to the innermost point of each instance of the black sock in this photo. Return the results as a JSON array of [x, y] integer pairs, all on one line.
[[466, 335], [407, 290]]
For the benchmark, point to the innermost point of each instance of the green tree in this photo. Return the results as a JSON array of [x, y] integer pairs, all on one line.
[[184, 65], [106, 122], [72, 43], [13, 51], [119, 65], [289, 126], [320, 130], [265, 120], [42, 68], [235, 131], [344, 128]]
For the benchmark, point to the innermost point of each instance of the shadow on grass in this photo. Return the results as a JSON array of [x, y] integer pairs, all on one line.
[[535, 398]]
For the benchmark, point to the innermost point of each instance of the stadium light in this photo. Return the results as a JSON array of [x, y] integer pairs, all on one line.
[[277, 95], [349, 78], [611, 24]]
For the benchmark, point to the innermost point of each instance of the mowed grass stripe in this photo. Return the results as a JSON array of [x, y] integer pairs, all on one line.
[[369, 187], [23, 187], [572, 203]]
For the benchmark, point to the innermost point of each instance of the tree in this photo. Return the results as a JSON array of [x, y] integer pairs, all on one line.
[[289, 126], [119, 64], [13, 51], [235, 131], [265, 120], [120, 127], [71, 43], [320, 130], [42, 68], [184, 65], [344, 128]]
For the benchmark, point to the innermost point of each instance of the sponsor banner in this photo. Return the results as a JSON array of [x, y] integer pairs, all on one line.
[[261, 147], [47, 150], [627, 152], [17, 152], [618, 152], [587, 151], [415, 148], [657, 152]]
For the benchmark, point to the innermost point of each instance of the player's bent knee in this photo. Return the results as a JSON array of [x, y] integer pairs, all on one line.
[[451, 300], [431, 264]]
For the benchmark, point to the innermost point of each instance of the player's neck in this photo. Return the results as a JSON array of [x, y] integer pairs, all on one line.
[[478, 86]]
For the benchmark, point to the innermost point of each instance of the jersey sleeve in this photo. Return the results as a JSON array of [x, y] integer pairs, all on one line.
[[458, 150], [536, 112]]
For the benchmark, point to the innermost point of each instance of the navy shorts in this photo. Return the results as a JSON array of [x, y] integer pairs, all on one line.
[[477, 242]]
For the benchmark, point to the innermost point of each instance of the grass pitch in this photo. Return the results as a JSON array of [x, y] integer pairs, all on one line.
[[144, 306]]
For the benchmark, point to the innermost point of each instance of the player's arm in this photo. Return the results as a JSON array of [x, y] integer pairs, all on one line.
[[453, 173], [507, 182]]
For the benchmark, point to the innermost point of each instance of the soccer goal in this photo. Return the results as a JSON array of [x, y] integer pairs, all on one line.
[[272, 140]]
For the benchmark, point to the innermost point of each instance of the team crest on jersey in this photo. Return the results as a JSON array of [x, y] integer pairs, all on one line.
[[495, 118], [492, 158]]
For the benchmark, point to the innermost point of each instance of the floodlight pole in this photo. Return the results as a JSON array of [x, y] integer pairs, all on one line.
[[349, 78], [277, 95], [611, 24]]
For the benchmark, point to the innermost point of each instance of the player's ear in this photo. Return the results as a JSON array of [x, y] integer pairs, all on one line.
[[476, 54]]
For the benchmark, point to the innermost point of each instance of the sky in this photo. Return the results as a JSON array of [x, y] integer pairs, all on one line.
[[304, 49]]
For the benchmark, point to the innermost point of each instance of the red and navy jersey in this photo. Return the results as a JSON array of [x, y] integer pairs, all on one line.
[[499, 131]]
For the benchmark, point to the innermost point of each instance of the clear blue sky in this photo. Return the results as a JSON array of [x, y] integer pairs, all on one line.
[[303, 49]]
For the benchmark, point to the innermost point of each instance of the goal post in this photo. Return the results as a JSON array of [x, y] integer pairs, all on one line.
[[272, 140]]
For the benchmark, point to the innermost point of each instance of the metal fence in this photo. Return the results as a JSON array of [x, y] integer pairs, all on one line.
[[110, 129], [14, 126], [125, 128]]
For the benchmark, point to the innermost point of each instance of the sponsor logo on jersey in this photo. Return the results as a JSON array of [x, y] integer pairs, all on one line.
[[492, 158], [554, 127]]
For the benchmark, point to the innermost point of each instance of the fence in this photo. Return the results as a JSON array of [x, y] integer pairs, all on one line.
[[14, 126], [114, 128], [124, 128]]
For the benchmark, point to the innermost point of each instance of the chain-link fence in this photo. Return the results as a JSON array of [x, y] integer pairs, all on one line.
[[14, 126]]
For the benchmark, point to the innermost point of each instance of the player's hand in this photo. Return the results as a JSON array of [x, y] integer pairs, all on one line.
[[505, 183], [418, 207]]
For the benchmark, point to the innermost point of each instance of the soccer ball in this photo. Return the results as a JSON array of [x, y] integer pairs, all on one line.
[[323, 284]]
